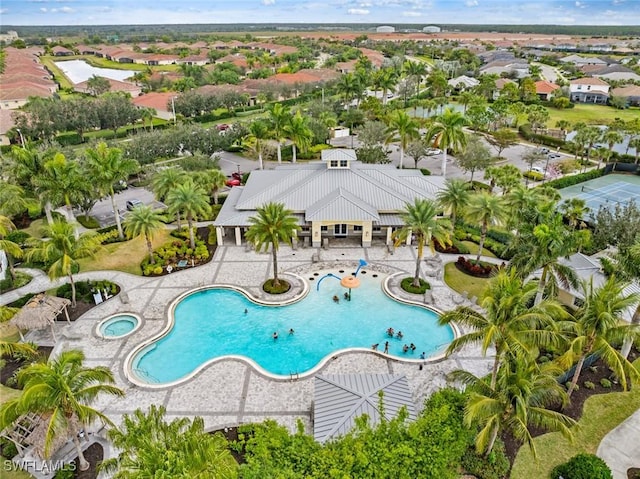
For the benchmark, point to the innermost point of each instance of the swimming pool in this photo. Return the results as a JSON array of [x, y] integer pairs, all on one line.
[[118, 326], [212, 323]]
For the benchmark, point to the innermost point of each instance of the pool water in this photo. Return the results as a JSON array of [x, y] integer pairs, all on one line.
[[213, 323], [118, 326]]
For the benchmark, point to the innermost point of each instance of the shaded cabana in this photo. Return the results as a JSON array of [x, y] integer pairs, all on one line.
[[40, 312], [340, 399], [28, 432]]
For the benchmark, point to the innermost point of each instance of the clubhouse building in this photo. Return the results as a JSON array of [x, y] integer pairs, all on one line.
[[337, 197]]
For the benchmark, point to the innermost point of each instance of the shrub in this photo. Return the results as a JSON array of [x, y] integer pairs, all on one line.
[[269, 287], [67, 472], [407, 285], [88, 222], [9, 449], [575, 179], [567, 166], [533, 175], [478, 269], [605, 383], [582, 466], [20, 302], [568, 385], [589, 385], [496, 466], [425, 172], [212, 238]]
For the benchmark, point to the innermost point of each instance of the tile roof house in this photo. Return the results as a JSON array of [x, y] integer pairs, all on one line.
[[160, 102], [59, 51], [589, 90], [616, 72], [114, 85], [23, 77], [463, 82], [335, 198], [630, 92], [545, 89]]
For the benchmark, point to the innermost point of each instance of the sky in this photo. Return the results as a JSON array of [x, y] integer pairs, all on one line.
[[110, 12]]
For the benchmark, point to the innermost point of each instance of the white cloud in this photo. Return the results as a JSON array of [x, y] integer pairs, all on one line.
[[580, 4], [358, 11], [268, 2], [66, 10], [617, 2], [365, 4], [3, 11], [471, 3], [43, 10], [411, 13]]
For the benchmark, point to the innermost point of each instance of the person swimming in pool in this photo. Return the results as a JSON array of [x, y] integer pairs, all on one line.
[[336, 299], [375, 346], [291, 331], [275, 335]]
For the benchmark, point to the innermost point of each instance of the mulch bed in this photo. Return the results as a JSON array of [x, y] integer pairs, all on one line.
[[12, 365], [633, 473], [578, 398], [94, 454], [231, 434], [202, 233], [463, 270]]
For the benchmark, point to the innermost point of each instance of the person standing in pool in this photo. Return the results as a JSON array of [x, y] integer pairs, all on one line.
[[386, 347], [375, 346], [275, 335], [291, 331]]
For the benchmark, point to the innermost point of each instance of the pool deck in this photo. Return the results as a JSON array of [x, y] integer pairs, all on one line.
[[230, 392]]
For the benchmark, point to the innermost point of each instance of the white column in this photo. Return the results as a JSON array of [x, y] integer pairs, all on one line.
[[238, 236], [219, 235], [367, 228], [409, 238], [389, 233], [316, 234]]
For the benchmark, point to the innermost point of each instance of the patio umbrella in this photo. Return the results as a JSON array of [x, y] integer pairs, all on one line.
[[39, 313]]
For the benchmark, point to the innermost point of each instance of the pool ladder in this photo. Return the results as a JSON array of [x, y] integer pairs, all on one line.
[[294, 376]]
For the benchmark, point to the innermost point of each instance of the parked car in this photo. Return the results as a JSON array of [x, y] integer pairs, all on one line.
[[433, 151], [222, 127], [554, 156], [131, 204], [235, 180], [542, 151]]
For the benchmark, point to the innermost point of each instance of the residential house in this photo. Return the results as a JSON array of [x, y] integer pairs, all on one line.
[[587, 268], [160, 102], [6, 124], [23, 77], [630, 92], [114, 86], [579, 61], [519, 68], [463, 82], [200, 59], [338, 197], [545, 89], [589, 90], [59, 51], [500, 84], [616, 73]]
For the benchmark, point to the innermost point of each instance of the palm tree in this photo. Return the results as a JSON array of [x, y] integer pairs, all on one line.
[[564, 126], [27, 164], [61, 391], [485, 209], [107, 167], [9, 348], [12, 250], [509, 324], [258, 132], [415, 71], [574, 209], [402, 125], [611, 138], [628, 268], [454, 197], [421, 219], [63, 250], [465, 99], [216, 181], [163, 181], [542, 248], [192, 202], [279, 117], [299, 133], [448, 132], [635, 144], [62, 182], [143, 220], [519, 400], [349, 87], [13, 199], [522, 204], [147, 443], [597, 327], [386, 80], [273, 224]]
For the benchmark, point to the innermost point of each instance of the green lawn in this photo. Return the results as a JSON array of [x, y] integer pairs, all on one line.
[[596, 114], [125, 256], [473, 248], [36, 227], [601, 414], [460, 282]]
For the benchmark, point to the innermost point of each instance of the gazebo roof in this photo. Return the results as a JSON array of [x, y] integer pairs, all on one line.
[[340, 399], [40, 312]]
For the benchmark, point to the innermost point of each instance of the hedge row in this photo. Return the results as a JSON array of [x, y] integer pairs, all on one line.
[[528, 134], [575, 179]]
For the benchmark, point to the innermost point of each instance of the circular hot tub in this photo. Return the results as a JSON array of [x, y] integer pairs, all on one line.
[[118, 325]]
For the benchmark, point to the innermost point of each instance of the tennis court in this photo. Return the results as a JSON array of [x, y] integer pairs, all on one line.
[[606, 191]]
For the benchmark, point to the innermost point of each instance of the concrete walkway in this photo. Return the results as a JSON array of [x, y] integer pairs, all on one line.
[[620, 448]]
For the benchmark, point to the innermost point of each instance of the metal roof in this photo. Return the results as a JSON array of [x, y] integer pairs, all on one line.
[[338, 154], [340, 205], [340, 399]]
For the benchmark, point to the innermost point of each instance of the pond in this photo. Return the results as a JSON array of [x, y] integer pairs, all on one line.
[[78, 71]]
